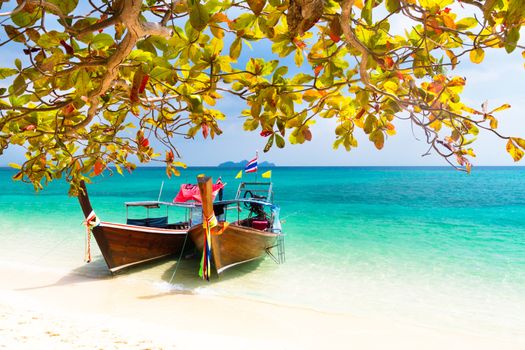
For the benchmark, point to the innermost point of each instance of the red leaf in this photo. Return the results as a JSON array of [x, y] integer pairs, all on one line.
[[335, 38], [143, 83], [68, 109], [144, 142], [266, 133], [67, 47], [318, 69], [205, 130], [389, 62], [307, 134], [299, 43], [169, 157], [98, 168]]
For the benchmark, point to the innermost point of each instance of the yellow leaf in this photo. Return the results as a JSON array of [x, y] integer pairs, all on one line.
[[390, 86], [448, 21], [493, 121], [477, 56], [501, 108], [359, 4], [514, 152], [453, 58], [468, 167], [520, 142]]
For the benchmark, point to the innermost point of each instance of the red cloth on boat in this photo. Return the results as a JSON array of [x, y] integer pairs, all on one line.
[[190, 192]]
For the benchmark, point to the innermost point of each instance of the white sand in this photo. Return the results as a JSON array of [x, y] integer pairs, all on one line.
[[52, 309]]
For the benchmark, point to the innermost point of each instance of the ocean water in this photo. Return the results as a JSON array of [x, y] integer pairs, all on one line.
[[430, 246]]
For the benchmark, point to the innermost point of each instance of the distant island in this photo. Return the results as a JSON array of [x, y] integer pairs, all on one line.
[[243, 163]]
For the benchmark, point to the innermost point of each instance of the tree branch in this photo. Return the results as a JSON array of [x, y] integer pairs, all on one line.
[[129, 15]]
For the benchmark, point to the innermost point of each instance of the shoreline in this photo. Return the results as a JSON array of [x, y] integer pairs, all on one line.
[[43, 307]]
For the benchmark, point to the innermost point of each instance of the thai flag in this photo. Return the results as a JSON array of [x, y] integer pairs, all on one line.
[[251, 167]]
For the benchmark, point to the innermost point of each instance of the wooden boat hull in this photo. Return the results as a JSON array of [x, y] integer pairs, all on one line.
[[124, 245], [236, 245], [127, 245]]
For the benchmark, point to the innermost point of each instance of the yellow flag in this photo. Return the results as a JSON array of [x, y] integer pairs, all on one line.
[[267, 174], [239, 175]]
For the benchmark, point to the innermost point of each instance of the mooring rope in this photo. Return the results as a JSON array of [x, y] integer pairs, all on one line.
[[90, 222], [180, 259]]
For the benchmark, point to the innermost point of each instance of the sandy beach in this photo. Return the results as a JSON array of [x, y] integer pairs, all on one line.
[[55, 309]]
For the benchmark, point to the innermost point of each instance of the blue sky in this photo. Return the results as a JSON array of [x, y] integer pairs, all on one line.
[[499, 79]]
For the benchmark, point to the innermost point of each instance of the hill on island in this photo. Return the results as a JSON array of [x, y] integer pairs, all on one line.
[[243, 163]]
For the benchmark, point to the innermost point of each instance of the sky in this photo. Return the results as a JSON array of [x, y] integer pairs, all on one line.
[[499, 79]]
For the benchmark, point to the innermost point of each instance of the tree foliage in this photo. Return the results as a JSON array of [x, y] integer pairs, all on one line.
[[96, 81]]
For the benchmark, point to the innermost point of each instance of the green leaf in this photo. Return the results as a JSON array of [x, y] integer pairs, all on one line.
[[101, 41], [199, 16], [25, 19], [235, 48], [512, 38], [302, 78], [19, 85], [66, 6], [7, 72], [366, 12], [269, 144], [466, 23], [82, 82], [370, 124], [279, 72], [140, 55], [279, 141], [51, 39], [160, 73], [392, 5]]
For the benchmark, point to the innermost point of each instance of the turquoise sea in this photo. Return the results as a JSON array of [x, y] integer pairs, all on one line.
[[430, 246]]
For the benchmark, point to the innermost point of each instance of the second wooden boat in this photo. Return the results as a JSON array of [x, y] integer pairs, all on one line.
[[245, 238]]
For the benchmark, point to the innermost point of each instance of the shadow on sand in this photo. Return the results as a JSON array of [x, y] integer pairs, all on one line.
[[183, 279], [186, 279]]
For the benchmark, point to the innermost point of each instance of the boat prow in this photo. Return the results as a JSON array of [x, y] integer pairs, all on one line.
[[242, 240], [125, 245]]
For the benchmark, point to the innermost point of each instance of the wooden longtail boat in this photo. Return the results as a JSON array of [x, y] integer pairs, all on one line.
[[244, 239], [139, 240]]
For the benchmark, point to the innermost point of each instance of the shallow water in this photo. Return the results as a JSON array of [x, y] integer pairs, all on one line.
[[427, 245]]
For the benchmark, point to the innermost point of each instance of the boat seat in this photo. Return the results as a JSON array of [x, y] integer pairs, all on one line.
[[161, 222], [260, 224]]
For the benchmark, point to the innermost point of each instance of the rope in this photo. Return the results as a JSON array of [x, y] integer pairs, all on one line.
[[180, 259], [90, 222]]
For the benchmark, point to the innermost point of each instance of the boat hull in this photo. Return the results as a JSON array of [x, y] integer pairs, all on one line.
[[236, 245], [128, 245]]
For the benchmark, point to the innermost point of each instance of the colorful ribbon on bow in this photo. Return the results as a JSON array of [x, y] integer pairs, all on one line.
[[207, 224], [90, 222]]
